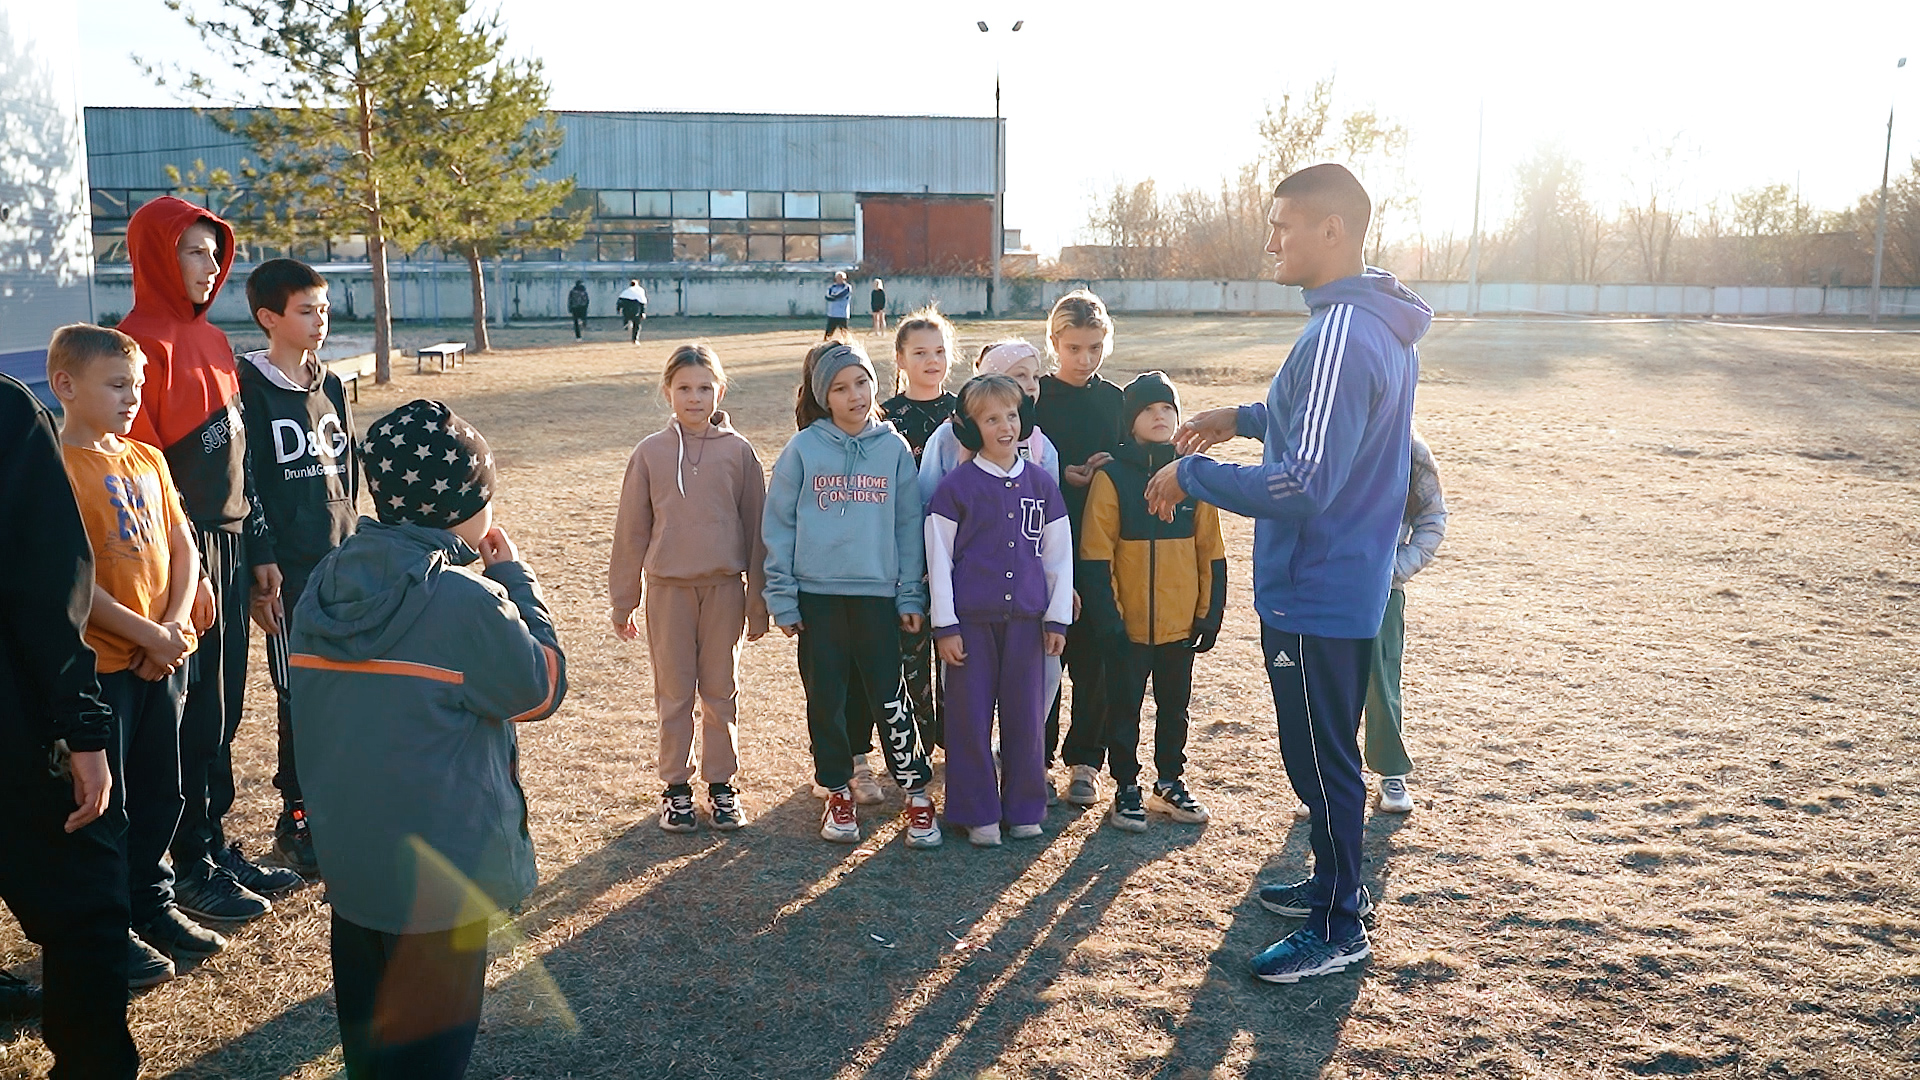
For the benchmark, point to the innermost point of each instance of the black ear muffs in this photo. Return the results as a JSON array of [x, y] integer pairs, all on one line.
[[968, 432]]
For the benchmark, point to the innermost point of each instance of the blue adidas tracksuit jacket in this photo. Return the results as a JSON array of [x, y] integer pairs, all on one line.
[[1330, 489]]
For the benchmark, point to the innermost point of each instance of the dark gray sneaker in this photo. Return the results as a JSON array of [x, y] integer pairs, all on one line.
[[1296, 900], [262, 880], [293, 844], [146, 965], [210, 892], [1127, 813], [1304, 954], [180, 937]]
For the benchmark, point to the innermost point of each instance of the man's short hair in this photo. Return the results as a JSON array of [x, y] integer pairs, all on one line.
[[1330, 189], [75, 346], [274, 281]]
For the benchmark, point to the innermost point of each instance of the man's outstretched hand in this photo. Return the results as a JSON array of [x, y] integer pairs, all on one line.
[[1207, 430], [1164, 491]]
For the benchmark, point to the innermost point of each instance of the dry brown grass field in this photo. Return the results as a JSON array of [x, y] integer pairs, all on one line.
[[1662, 697]]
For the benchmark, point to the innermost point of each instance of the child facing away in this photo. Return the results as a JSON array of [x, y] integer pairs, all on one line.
[[1153, 593], [146, 578], [845, 573], [410, 672], [686, 544], [1422, 527], [1000, 568], [306, 483], [1080, 412], [190, 410]]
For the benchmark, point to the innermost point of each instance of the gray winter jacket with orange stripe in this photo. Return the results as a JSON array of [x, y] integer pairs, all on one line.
[[408, 673]]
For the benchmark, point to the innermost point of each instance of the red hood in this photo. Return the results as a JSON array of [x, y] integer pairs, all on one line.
[[151, 239]]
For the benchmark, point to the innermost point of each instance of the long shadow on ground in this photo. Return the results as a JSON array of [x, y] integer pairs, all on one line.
[[1294, 1029], [781, 956]]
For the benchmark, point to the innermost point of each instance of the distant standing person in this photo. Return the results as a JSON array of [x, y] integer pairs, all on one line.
[[878, 302], [577, 307], [632, 305], [839, 303], [1327, 501]]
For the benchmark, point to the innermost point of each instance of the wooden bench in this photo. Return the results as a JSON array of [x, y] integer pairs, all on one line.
[[350, 369], [448, 353]]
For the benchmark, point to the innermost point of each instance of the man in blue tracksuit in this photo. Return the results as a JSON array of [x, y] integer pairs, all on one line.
[[1327, 498]]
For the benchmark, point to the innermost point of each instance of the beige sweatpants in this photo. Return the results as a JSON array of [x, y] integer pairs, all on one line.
[[693, 638]]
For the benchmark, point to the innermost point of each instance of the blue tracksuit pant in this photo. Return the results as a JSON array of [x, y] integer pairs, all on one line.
[[1319, 687]]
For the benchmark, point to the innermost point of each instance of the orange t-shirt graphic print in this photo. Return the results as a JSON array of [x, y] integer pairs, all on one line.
[[129, 505]]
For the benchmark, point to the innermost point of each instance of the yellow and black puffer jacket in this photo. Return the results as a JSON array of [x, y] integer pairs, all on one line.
[[1156, 581]]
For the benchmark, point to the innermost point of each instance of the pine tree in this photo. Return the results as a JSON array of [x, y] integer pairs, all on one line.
[[480, 135]]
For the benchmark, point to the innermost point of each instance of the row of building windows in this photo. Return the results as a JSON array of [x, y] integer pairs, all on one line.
[[717, 227]]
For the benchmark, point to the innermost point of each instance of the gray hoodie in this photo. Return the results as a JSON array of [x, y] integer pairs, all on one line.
[[408, 673], [843, 519]]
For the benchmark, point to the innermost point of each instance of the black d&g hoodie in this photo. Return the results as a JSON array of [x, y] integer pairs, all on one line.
[[304, 474]]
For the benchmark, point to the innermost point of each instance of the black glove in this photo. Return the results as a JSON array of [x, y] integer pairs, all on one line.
[[1203, 638]]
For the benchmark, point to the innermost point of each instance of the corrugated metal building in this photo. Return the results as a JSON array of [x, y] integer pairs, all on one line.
[[892, 193], [45, 271]]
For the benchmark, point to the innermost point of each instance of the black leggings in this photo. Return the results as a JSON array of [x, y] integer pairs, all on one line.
[[409, 1004]]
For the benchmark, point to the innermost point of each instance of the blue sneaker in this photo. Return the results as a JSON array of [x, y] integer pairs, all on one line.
[[1304, 954], [1296, 900]]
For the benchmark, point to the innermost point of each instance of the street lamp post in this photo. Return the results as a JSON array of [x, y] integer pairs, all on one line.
[[1880, 224], [999, 239]]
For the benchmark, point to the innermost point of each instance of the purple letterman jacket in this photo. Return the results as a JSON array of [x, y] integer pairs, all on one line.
[[999, 548]]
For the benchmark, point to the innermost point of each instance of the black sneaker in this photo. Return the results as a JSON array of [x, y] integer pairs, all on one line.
[[293, 844], [1128, 814], [146, 965], [727, 812], [1304, 954], [19, 999], [212, 892], [1296, 900], [1173, 797], [180, 937], [676, 809], [264, 880]]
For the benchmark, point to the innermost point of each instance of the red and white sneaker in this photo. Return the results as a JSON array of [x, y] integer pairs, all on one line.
[[923, 826], [838, 823]]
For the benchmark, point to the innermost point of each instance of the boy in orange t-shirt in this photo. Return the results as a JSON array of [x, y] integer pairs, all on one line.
[[146, 573]]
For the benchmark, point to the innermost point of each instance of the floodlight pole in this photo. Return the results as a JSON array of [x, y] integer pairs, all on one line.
[[1473, 248], [999, 238], [1880, 224]]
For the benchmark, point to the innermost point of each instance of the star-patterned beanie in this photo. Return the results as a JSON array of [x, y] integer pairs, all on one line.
[[426, 466]]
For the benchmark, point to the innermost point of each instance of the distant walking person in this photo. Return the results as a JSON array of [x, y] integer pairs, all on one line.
[[632, 305], [577, 307], [1327, 499], [877, 301], [839, 303]]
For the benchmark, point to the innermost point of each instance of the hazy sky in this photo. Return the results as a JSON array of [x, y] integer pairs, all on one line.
[[1098, 93]]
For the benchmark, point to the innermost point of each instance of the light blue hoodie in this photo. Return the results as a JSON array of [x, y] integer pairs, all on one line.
[[843, 519], [1331, 487]]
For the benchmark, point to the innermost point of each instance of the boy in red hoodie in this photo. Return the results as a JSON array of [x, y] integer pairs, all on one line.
[[191, 411]]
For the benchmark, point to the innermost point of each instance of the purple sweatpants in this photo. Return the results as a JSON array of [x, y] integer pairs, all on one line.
[[1006, 666]]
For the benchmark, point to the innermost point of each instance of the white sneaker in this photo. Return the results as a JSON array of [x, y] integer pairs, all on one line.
[[1024, 832], [866, 790], [1301, 812], [984, 835], [923, 825], [1393, 797], [838, 822], [1084, 788]]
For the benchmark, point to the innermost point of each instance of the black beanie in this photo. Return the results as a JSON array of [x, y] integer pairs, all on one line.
[[426, 466], [1146, 389]]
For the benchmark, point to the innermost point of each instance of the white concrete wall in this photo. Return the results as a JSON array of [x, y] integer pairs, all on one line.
[[539, 290]]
